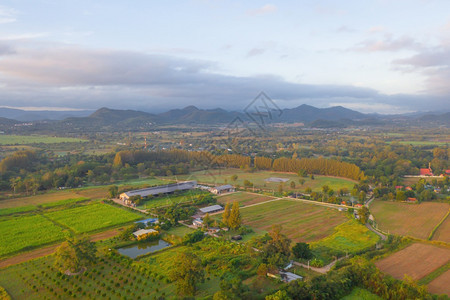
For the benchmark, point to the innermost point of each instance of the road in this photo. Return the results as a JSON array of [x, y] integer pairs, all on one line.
[[323, 270]]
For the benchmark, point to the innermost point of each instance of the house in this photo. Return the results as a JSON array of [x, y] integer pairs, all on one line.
[[211, 209], [408, 188], [161, 189], [426, 171], [222, 189], [236, 237], [197, 222], [411, 199], [141, 232], [398, 187], [358, 205], [447, 172], [289, 276], [148, 221]]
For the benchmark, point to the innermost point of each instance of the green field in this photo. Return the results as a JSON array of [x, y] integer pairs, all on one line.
[[421, 143], [361, 294], [300, 221], [243, 198], [27, 232], [92, 217], [218, 177], [35, 139], [15, 210], [351, 237]]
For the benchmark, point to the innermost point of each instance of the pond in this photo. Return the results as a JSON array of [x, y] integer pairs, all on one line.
[[134, 251]]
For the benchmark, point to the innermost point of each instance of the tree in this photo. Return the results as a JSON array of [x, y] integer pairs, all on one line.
[[113, 191], [277, 250], [400, 196], [226, 215], [234, 177], [187, 273], [234, 220], [363, 214], [75, 253], [301, 250], [279, 295], [292, 184], [207, 220]]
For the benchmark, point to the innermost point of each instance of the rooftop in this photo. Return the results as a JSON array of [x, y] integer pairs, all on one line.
[[223, 187], [211, 208], [143, 231], [162, 189]]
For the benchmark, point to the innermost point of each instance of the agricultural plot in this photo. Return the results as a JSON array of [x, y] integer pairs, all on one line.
[[218, 177], [359, 293], [111, 278], [443, 232], [27, 232], [440, 285], [244, 198], [300, 221], [169, 199], [417, 220], [35, 139], [417, 261], [351, 237], [92, 217], [39, 199]]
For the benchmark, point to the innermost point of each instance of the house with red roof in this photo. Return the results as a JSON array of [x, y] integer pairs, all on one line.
[[411, 199]]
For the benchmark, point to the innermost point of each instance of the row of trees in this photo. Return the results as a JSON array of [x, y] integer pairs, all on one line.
[[231, 216]]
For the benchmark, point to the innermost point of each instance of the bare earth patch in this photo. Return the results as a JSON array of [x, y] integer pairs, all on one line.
[[440, 285], [244, 199], [443, 232], [417, 261]]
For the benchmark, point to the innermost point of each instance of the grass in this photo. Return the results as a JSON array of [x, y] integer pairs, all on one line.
[[416, 220], [219, 176], [351, 237], [243, 198], [359, 293], [35, 139], [435, 274], [300, 221], [15, 210], [27, 232], [64, 202], [92, 217]]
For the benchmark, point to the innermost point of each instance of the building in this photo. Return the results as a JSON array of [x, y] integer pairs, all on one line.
[[288, 276], [148, 221], [140, 232], [426, 171], [222, 189], [161, 189], [211, 209], [197, 222], [411, 199]]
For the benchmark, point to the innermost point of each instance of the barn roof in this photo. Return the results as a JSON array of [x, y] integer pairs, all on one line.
[[211, 208]]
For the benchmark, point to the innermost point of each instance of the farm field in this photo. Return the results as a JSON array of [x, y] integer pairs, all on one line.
[[35, 139], [416, 260], [26, 232], [300, 221], [350, 237], [218, 177], [92, 217], [443, 232], [417, 220], [93, 192], [244, 198], [168, 199], [440, 285]]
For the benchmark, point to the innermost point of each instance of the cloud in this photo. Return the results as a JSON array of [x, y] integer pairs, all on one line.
[[91, 78], [7, 15], [387, 44], [434, 64], [266, 9], [345, 29], [377, 29], [256, 52]]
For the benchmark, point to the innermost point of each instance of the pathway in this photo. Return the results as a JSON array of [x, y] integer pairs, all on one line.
[[322, 270], [120, 202], [382, 236], [50, 249]]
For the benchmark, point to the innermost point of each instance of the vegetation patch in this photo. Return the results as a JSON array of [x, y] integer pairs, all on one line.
[[27, 232], [243, 198], [35, 139], [16, 210], [300, 221], [406, 219], [92, 217], [359, 293], [443, 231]]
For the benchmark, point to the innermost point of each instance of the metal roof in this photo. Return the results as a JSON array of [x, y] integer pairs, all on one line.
[[211, 208], [224, 187], [162, 189], [143, 231]]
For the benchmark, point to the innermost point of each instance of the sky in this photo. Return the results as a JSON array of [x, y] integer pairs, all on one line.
[[374, 56]]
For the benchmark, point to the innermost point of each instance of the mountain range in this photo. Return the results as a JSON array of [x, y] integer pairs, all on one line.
[[106, 118]]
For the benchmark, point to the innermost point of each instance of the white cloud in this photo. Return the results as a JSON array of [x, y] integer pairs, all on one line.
[[388, 43], [268, 8], [7, 15]]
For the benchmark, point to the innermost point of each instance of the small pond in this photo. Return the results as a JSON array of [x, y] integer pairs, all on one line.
[[135, 250]]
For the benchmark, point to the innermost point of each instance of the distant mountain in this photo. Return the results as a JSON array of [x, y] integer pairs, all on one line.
[[35, 115], [438, 119], [308, 113]]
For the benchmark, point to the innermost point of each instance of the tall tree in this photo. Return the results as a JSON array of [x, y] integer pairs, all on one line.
[[226, 215], [235, 216], [75, 253], [187, 273]]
